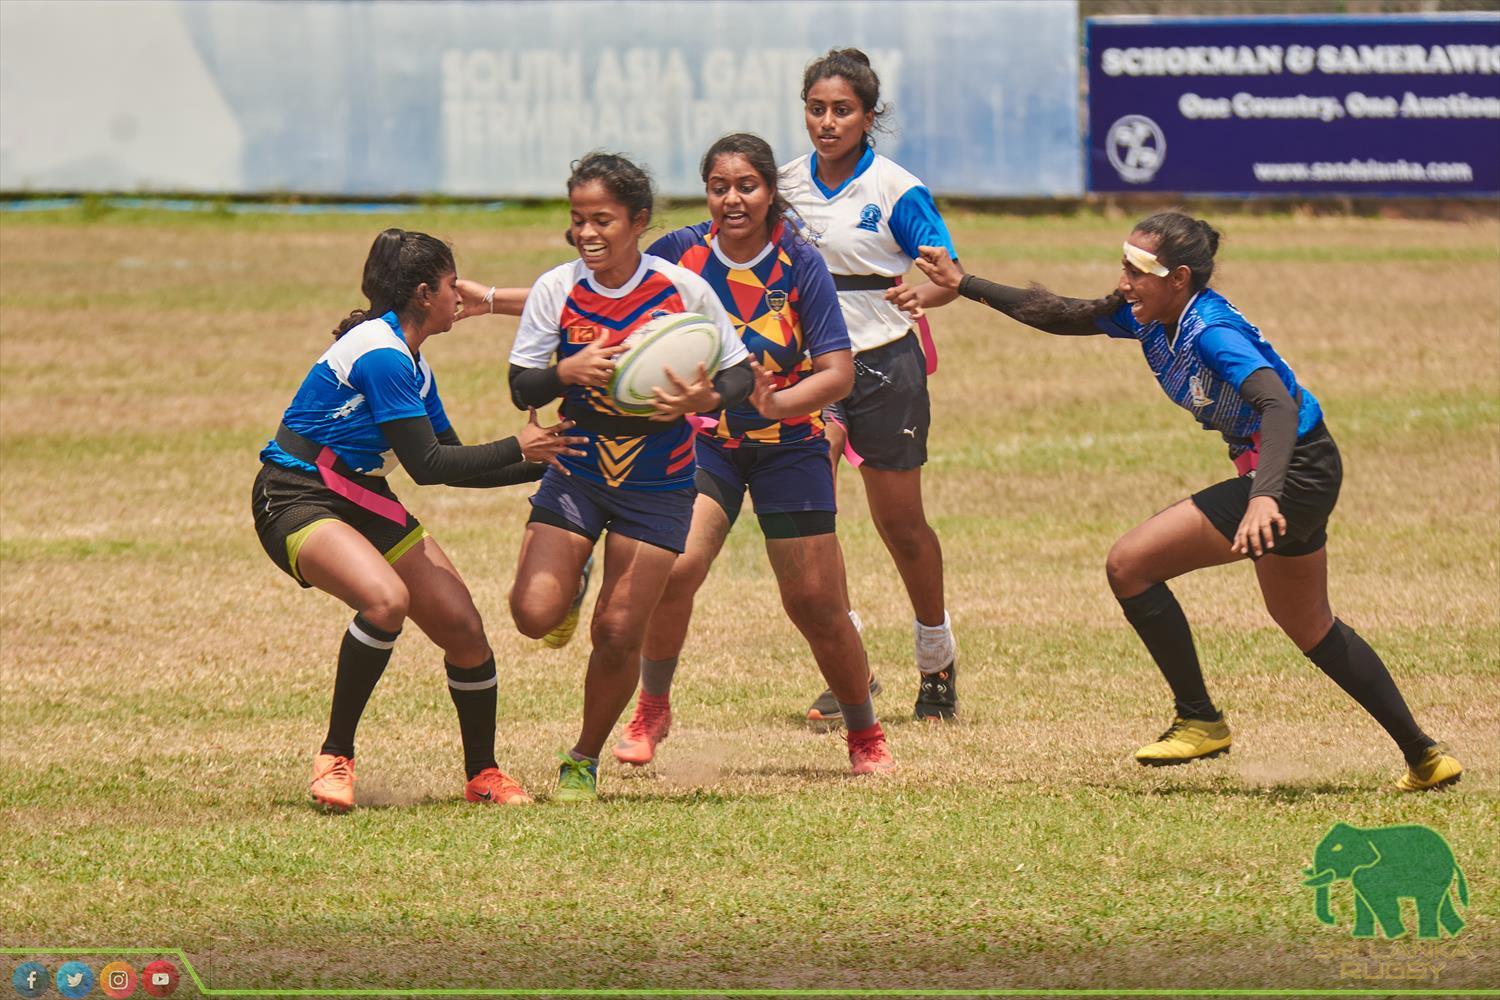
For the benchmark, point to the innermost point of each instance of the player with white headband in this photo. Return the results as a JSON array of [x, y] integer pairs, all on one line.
[[1209, 360]]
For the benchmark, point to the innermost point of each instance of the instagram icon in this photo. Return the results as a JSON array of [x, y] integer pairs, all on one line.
[[117, 980]]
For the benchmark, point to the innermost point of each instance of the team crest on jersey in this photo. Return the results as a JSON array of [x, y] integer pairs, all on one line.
[[584, 334], [1200, 398], [776, 300], [869, 218]]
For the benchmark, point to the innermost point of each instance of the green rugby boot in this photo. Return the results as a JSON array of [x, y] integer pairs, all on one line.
[[1186, 740], [577, 780]]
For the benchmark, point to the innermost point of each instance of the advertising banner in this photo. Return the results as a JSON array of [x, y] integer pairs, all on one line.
[[1397, 105], [496, 99]]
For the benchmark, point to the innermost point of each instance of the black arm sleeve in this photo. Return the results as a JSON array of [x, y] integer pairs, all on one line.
[[534, 386], [734, 384], [429, 461], [1278, 430], [1008, 300], [508, 475]]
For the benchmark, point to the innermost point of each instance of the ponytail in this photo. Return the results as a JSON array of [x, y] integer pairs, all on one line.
[[398, 263]]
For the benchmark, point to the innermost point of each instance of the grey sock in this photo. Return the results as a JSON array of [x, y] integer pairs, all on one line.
[[577, 755], [857, 717], [656, 676]]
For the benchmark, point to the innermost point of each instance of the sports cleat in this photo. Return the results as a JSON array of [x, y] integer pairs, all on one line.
[[577, 780], [937, 695], [333, 782], [563, 634], [1186, 740], [824, 715], [868, 753], [1435, 770], [494, 785], [647, 727]]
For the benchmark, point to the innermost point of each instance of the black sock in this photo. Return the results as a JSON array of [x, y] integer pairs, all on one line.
[[1355, 667], [473, 693], [1158, 619], [365, 651]]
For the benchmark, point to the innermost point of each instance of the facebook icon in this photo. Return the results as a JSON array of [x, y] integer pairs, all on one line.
[[30, 979]]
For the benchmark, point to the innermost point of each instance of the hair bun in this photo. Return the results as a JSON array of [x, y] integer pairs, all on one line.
[[1211, 234], [851, 53]]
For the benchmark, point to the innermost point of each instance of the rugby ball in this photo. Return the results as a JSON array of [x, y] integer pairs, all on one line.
[[679, 341]]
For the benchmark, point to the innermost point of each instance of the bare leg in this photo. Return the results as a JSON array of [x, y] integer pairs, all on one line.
[[442, 606], [635, 574], [547, 574], [810, 573], [896, 506], [340, 561], [667, 630]]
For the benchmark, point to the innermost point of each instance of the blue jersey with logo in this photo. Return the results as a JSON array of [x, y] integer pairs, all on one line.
[[368, 377], [1203, 367]]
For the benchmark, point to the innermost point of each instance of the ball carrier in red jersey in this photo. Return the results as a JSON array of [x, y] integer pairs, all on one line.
[[635, 474], [781, 299], [1210, 361], [868, 216], [328, 519]]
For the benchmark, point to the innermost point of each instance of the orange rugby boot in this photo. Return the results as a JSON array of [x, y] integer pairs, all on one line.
[[646, 728], [494, 785], [333, 782]]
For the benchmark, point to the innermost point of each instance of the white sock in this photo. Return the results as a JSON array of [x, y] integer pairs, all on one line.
[[936, 647]]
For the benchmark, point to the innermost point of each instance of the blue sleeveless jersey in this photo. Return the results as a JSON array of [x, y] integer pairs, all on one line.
[[1202, 369], [366, 378]]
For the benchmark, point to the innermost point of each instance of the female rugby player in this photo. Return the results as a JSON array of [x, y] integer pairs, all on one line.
[[868, 216], [635, 474], [1213, 363], [327, 517], [778, 293]]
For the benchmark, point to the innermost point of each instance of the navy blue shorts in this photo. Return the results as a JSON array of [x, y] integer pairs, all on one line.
[[791, 485], [576, 504]]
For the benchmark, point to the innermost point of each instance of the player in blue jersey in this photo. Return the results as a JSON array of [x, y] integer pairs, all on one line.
[[327, 517], [780, 297], [868, 216], [634, 475], [1210, 361]]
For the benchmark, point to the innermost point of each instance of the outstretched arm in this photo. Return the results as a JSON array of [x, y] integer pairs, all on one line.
[[428, 460], [1034, 306], [478, 299]]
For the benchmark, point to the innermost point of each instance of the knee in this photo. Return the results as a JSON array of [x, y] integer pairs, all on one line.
[[907, 538], [387, 606], [815, 614], [614, 637], [462, 635], [530, 617], [1125, 570], [688, 574]]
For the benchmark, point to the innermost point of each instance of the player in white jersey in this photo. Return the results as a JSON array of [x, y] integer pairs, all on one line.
[[868, 216], [328, 519]]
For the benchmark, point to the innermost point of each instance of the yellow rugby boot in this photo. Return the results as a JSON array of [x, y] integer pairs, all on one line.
[[1435, 770], [1186, 740]]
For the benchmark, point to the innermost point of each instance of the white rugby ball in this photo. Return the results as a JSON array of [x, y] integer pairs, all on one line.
[[679, 341]]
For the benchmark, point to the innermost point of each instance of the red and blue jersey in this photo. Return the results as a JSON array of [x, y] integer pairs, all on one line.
[[783, 305], [567, 310]]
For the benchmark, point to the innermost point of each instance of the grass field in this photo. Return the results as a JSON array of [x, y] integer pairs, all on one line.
[[164, 687]]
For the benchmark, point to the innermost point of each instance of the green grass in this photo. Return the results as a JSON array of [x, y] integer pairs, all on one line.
[[162, 687]]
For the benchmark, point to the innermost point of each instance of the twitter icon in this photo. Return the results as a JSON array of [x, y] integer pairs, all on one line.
[[75, 980]]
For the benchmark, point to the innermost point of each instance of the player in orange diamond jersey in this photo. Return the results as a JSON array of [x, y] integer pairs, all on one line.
[[782, 301], [635, 476]]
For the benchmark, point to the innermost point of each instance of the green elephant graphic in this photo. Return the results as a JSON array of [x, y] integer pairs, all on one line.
[[1385, 865]]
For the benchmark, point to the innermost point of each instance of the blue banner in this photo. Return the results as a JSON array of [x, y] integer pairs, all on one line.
[[497, 99], [1395, 105]]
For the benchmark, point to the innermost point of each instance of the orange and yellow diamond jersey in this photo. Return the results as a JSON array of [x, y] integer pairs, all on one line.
[[785, 309], [567, 310]]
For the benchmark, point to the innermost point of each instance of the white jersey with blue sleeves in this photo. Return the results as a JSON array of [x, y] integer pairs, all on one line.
[[870, 224], [1202, 369], [366, 378]]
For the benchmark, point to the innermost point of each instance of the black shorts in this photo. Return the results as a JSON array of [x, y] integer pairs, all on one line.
[[791, 484], [1307, 499], [289, 505], [888, 410]]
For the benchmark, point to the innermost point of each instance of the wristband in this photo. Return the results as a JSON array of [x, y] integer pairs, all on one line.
[[489, 299]]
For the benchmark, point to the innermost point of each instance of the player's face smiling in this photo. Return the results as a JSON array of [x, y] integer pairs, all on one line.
[[836, 119], [1152, 298], [738, 201], [605, 235]]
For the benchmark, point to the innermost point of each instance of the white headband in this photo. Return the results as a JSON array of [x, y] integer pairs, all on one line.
[[1144, 260]]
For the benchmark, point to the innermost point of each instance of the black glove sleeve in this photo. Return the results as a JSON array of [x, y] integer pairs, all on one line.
[[734, 384], [534, 386], [429, 461], [1278, 430], [509, 475], [1074, 319]]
